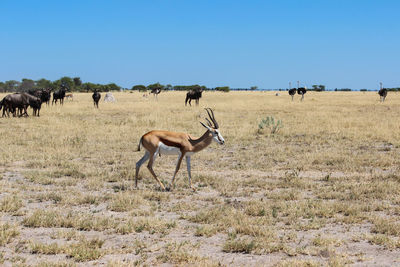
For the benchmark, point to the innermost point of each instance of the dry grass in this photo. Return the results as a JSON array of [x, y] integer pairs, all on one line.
[[323, 190]]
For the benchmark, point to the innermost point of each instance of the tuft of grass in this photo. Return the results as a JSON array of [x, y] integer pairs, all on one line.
[[125, 201], [85, 250], [7, 233], [10, 204], [206, 230], [43, 218], [179, 253], [239, 245], [47, 249], [141, 224], [385, 226]]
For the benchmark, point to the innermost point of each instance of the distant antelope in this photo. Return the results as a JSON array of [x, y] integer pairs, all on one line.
[[70, 97], [173, 143], [382, 93]]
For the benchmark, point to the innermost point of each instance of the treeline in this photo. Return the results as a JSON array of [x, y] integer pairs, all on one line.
[[73, 84]]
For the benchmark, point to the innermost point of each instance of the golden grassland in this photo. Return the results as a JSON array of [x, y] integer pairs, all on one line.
[[323, 190]]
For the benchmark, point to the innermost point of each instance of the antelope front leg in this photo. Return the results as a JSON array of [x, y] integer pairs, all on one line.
[[150, 167], [178, 165], [189, 172]]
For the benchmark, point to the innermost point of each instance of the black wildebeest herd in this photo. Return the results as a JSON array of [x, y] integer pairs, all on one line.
[[18, 103]]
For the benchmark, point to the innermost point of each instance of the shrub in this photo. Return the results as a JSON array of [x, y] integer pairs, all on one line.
[[270, 123]]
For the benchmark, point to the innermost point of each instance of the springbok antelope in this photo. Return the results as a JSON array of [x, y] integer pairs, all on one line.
[[181, 144]]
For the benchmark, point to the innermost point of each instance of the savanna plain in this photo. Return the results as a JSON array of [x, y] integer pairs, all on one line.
[[322, 190]]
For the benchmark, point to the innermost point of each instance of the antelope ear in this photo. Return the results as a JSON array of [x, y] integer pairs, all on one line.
[[205, 126]]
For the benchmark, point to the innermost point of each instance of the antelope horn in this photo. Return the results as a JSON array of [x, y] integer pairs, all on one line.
[[209, 122], [212, 117]]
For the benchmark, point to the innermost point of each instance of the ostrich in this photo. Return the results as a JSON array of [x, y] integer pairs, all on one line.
[[292, 92], [301, 91], [382, 93], [155, 92]]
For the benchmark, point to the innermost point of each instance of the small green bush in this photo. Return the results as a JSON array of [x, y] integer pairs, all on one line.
[[270, 123]]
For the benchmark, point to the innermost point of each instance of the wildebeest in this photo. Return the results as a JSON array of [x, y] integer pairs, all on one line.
[[59, 95], [43, 94], [193, 94], [21, 101], [96, 98], [382, 93], [301, 91], [292, 92]]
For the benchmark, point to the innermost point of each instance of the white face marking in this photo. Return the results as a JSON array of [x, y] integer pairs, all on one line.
[[217, 137]]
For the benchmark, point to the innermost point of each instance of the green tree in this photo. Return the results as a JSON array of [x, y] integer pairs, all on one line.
[[77, 82], [139, 87], [222, 88], [253, 88], [43, 83], [90, 87], [318, 88], [11, 85], [155, 86], [27, 84], [112, 87], [2, 87], [67, 81]]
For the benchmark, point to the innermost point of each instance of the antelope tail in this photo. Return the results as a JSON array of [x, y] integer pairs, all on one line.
[[140, 143]]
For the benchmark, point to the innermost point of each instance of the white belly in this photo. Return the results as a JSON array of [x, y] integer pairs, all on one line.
[[168, 150]]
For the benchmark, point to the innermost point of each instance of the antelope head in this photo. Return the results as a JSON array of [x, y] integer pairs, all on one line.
[[212, 127]]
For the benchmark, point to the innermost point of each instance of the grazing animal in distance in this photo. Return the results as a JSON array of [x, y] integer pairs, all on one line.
[[96, 98], [70, 97], [59, 95], [193, 94], [181, 144], [382, 93], [292, 92], [301, 91]]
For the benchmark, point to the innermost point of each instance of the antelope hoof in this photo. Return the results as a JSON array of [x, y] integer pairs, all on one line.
[[168, 189]]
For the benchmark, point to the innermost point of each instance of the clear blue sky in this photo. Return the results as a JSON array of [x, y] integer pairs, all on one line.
[[340, 43]]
